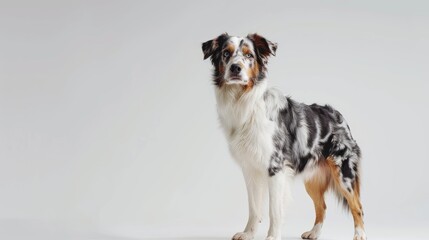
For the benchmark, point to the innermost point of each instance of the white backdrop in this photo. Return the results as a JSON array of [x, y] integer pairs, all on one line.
[[108, 127]]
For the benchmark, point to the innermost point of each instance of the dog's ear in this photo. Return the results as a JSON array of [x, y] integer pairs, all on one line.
[[263, 47], [210, 47]]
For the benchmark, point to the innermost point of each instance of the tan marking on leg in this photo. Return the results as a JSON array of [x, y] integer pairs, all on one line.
[[316, 188]]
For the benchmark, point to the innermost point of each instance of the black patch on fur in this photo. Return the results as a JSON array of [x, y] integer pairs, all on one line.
[[303, 162], [329, 108], [310, 118], [273, 170], [345, 169], [292, 119], [355, 167], [339, 152], [327, 147]]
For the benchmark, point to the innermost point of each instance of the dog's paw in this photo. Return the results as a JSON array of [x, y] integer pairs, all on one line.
[[359, 234], [310, 235], [313, 233], [273, 238], [242, 236]]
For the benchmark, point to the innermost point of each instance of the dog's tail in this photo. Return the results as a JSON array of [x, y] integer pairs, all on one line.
[[347, 190], [342, 200]]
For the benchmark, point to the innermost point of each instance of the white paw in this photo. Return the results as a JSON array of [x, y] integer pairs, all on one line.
[[359, 234], [242, 236], [313, 233], [273, 238], [310, 235]]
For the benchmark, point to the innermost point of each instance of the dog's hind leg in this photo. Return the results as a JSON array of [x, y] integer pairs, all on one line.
[[316, 187], [348, 188]]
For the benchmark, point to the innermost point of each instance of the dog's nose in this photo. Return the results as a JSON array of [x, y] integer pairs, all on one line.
[[235, 68]]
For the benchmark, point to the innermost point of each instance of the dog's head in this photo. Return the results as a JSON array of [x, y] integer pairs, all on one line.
[[239, 60]]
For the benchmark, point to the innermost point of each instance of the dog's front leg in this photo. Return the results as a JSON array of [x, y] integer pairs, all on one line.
[[255, 193], [276, 187]]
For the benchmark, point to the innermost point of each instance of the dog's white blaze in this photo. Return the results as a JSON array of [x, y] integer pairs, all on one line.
[[238, 58]]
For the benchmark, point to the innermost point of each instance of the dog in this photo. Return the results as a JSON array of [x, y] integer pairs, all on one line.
[[274, 138]]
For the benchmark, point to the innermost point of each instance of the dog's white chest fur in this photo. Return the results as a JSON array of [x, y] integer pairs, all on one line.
[[247, 128]]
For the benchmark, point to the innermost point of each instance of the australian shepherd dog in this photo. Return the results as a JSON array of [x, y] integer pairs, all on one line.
[[274, 138]]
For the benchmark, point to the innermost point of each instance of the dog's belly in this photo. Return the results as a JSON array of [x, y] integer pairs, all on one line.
[[252, 144]]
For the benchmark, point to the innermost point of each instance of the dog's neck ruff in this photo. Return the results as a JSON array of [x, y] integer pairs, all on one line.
[[237, 107]]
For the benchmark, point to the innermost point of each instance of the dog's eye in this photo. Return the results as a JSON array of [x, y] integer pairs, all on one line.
[[249, 55], [226, 54]]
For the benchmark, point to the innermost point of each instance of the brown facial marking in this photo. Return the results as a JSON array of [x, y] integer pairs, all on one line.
[[253, 70], [221, 69], [245, 49], [230, 47]]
